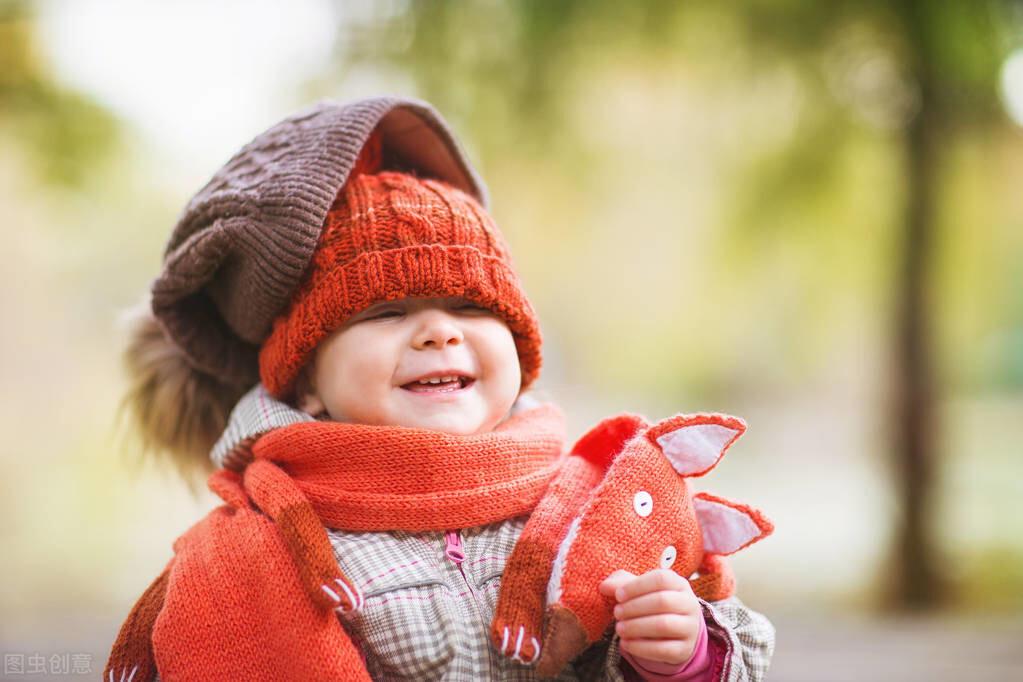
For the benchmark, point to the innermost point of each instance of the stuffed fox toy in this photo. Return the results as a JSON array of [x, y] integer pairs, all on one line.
[[621, 501]]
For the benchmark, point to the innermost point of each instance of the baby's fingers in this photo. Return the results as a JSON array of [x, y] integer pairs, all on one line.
[[651, 581], [672, 651], [610, 585], [665, 601], [660, 626]]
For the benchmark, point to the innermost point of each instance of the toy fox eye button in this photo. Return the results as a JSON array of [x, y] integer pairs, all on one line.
[[643, 503], [668, 557]]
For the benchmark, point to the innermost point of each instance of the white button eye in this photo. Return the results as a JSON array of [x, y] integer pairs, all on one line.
[[643, 503], [668, 557]]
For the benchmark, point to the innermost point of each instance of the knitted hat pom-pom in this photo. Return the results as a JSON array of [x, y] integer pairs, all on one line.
[[176, 410]]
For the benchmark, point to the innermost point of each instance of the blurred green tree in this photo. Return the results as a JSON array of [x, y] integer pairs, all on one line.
[[64, 133], [506, 69], [948, 57]]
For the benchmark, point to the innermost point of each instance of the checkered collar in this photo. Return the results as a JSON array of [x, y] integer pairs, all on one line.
[[257, 413]]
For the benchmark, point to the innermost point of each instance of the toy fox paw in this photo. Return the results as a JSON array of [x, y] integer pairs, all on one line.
[[124, 676], [343, 597], [565, 637], [517, 642]]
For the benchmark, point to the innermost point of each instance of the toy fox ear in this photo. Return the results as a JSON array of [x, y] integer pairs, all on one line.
[[695, 443], [727, 526]]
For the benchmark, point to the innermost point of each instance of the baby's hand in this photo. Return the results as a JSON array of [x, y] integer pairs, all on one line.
[[658, 615]]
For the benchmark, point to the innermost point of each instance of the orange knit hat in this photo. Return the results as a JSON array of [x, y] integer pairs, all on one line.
[[391, 235]]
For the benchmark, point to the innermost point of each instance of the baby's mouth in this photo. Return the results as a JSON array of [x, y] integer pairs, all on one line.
[[444, 385]]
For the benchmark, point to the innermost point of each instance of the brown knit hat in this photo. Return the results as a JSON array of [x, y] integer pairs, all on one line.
[[391, 235], [244, 241]]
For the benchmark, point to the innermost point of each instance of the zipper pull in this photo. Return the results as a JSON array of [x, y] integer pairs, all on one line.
[[453, 547]]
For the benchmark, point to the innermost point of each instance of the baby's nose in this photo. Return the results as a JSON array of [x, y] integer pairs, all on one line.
[[437, 329]]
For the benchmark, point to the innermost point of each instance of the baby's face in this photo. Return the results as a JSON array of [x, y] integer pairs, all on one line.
[[368, 371]]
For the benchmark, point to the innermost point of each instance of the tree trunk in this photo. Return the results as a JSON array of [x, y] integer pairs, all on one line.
[[917, 582]]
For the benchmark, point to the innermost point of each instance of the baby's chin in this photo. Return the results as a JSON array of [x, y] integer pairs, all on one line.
[[469, 415], [462, 418], [456, 424]]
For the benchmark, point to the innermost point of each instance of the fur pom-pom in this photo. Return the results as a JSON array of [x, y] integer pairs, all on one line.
[[177, 410]]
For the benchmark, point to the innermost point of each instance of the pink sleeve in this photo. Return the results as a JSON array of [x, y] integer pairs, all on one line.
[[696, 669]]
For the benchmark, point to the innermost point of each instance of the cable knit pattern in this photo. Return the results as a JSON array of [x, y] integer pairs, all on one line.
[[243, 242], [390, 236]]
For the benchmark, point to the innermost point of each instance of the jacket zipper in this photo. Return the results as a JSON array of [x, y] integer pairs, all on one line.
[[456, 553]]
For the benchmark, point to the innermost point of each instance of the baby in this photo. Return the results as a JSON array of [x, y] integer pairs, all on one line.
[[341, 288]]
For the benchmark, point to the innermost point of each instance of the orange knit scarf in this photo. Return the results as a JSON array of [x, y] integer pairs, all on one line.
[[381, 478], [259, 573]]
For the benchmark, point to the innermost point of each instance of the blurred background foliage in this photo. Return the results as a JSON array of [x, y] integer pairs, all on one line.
[[803, 213]]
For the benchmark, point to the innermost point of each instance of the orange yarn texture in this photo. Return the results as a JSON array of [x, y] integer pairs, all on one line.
[[433, 480], [251, 591], [391, 235]]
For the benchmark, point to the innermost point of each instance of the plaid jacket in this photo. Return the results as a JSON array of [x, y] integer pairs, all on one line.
[[428, 618]]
